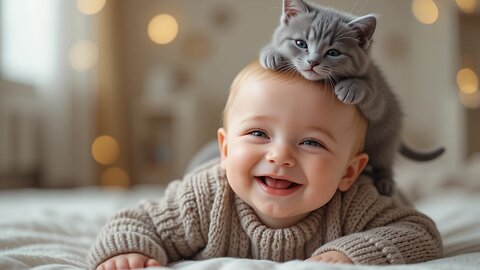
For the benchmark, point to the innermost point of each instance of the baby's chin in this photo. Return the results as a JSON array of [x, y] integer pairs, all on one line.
[[275, 216]]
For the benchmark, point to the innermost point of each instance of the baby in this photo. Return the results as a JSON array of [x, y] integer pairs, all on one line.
[[288, 186]]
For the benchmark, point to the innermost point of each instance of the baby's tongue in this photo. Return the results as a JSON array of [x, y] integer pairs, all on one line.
[[277, 183]]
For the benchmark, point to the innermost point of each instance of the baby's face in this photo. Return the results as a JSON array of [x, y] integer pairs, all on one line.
[[288, 147]]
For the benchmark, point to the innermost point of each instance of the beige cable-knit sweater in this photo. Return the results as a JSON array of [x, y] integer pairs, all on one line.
[[201, 217]]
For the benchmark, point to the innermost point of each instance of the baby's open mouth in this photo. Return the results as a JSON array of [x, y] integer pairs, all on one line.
[[277, 183]]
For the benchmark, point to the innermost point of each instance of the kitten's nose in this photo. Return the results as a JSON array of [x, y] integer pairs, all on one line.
[[313, 63]]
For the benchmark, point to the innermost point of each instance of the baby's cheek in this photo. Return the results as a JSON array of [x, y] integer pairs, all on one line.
[[242, 151], [244, 158]]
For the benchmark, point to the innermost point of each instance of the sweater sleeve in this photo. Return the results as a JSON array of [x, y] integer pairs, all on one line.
[[167, 230], [381, 230]]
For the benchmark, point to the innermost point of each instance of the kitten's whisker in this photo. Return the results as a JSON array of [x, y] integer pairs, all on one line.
[[329, 80], [332, 88], [289, 70], [340, 74], [335, 78], [331, 85]]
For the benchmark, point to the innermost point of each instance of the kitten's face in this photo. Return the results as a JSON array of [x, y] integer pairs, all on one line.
[[322, 46]]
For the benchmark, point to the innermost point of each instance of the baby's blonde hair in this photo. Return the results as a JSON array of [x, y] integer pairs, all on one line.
[[256, 71]]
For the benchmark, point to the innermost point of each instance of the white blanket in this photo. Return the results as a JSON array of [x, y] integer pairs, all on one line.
[[54, 230]]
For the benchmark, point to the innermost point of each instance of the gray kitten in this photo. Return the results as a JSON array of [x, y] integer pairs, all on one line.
[[325, 44]]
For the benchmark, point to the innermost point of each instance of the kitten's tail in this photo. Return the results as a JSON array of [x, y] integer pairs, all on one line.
[[417, 156]]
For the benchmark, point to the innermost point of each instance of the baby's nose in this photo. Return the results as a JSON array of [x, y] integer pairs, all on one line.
[[280, 155]]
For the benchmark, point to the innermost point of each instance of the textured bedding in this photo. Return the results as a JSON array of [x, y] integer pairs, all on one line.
[[45, 229]]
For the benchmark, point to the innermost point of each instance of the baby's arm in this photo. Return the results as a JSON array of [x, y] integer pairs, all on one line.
[[164, 230], [128, 261], [130, 230], [380, 230], [332, 256]]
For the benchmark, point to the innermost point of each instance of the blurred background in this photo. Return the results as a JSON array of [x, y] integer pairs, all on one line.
[[122, 92]]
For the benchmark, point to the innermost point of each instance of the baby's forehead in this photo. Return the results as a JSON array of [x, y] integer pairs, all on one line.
[[324, 96], [315, 95]]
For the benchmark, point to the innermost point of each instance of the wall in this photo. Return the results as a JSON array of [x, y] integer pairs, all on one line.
[[419, 61], [216, 39], [231, 48], [470, 49]]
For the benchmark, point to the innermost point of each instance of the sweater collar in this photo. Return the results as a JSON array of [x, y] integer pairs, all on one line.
[[252, 225]]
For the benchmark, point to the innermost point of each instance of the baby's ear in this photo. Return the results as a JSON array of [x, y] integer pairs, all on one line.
[[355, 167], [222, 144]]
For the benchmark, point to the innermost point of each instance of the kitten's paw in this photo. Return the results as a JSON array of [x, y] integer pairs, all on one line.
[[272, 61], [349, 92]]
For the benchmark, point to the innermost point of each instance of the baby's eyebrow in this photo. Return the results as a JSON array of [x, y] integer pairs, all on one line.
[[257, 118], [323, 131]]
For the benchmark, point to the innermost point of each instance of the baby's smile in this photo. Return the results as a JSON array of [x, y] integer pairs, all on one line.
[[277, 186]]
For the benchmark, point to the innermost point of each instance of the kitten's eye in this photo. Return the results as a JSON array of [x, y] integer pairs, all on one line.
[[258, 133], [333, 53], [301, 44]]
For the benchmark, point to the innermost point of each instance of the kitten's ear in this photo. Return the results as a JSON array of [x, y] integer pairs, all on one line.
[[365, 27], [292, 8]]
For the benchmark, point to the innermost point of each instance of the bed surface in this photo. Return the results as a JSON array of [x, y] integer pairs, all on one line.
[[52, 229]]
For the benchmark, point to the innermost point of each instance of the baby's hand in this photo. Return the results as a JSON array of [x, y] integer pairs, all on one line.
[[128, 261], [331, 257]]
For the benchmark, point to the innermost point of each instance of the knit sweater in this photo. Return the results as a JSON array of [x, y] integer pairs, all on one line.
[[201, 217]]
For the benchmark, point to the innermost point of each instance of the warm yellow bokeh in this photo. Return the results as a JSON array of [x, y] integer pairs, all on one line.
[[467, 81], [468, 6], [163, 29], [90, 7], [426, 11], [115, 177], [470, 101], [83, 55], [105, 150]]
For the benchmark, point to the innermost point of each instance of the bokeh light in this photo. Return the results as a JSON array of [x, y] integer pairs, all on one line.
[[197, 46], [470, 101], [115, 177], [467, 81], [163, 29], [90, 7], [425, 11], [467, 6], [83, 55], [105, 150]]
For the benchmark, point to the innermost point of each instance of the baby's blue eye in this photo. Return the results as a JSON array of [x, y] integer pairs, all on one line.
[[333, 52], [313, 143], [301, 44], [258, 133]]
